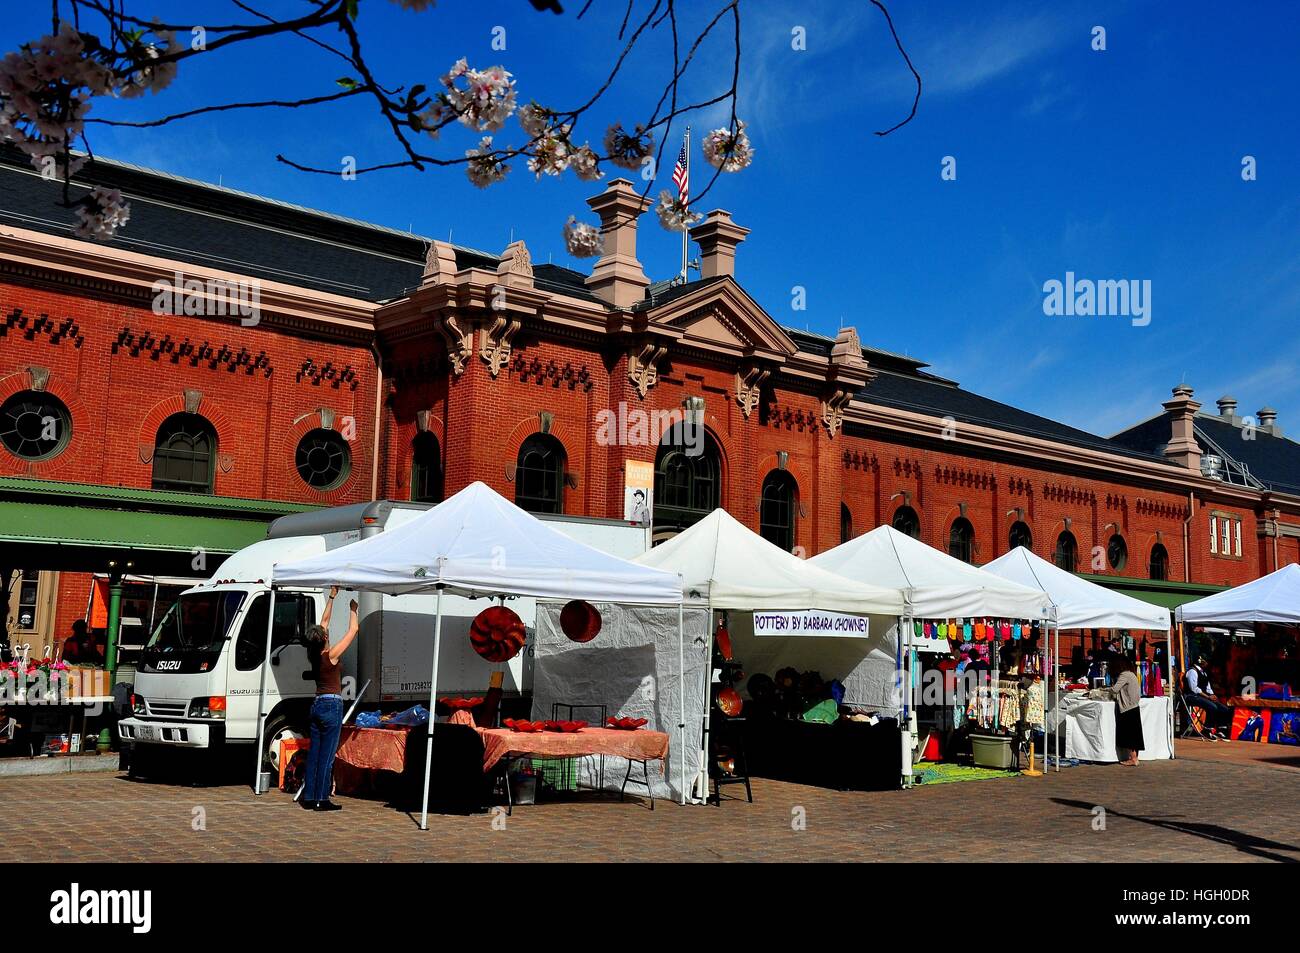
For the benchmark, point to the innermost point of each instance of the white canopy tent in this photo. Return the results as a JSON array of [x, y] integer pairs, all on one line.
[[725, 565], [475, 544], [1271, 598], [1081, 605], [936, 586]]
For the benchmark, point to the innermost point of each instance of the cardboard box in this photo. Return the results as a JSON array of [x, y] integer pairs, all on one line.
[[86, 682]]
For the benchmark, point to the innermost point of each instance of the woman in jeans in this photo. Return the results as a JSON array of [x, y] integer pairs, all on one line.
[[327, 710]]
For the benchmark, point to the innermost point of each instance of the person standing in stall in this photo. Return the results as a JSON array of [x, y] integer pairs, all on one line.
[[327, 709], [1128, 723]]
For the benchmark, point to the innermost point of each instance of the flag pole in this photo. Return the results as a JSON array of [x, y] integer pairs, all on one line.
[[686, 147]]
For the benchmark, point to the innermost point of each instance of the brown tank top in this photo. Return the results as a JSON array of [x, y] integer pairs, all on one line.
[[328, 679]]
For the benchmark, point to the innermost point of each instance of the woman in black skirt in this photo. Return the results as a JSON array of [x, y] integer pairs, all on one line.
[[1128, 723]]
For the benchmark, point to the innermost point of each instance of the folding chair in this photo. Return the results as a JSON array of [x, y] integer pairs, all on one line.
[[1193, 720]]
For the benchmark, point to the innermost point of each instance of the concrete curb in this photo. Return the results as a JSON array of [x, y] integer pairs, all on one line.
[[64, 764]]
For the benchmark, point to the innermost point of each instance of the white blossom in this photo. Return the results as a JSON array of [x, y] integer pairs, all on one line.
[[152, 78], [552, 154], [534, 119], [728, 152], [585, 163], [485, 101], [101, 214], [484, 168], [628, 150], [673, 215], [582, 240]]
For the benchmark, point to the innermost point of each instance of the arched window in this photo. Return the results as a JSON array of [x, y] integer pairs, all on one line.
[[688, 480], [34, 425], [776, 514], [1159, 565], [906, 521], [426, 469], [1020, 535], [961, 540], [1067, 552], [185, 454], [846, 523], [323, 459], [539, 475], [1117, 552]]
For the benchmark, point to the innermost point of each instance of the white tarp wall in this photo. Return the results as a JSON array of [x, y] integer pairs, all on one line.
[[867, 667], [631, 667]]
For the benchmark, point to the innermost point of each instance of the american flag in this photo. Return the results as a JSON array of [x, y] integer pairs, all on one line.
[[681, 178]]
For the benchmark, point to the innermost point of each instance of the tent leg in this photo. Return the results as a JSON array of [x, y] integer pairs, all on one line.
[[702, 779], [904, 669], [433, 702], [681, 695], [1056, 660], [261, 696], [1169, 645]]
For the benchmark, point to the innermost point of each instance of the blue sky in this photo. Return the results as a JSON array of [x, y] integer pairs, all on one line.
[[1122, 164]]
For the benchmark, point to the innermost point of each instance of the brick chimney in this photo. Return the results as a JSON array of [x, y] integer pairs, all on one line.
[[718, 237], [1182, 447], [618, 277]]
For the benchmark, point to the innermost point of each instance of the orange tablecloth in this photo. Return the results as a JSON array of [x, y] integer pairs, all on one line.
[[639, 745], [378, 749], [384, 749]]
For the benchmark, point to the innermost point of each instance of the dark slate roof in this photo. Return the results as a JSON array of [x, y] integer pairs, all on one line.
[[221, 228], [1273, 461], [563, 281], [924, 393]]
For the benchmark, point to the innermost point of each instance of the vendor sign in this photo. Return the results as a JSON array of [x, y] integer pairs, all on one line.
[[810, 622]]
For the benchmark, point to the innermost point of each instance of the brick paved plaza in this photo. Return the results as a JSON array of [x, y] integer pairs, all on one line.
[[1185, 810]]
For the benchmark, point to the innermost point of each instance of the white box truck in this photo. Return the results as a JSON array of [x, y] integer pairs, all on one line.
[[198, 677]]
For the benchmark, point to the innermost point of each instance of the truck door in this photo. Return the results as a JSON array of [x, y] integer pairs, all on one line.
[[294, 612]]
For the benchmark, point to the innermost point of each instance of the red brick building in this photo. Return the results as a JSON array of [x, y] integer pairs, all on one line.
[[379, 364]]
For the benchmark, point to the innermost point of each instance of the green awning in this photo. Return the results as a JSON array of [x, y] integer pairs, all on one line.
[[1157, 592], [125, 529], [46, 524]]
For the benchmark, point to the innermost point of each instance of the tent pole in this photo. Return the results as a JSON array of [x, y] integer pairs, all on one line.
[[708, 710], [261, 694], [433, 701], [681, 692], [1169, 645], [904, 669], [1056, 660]]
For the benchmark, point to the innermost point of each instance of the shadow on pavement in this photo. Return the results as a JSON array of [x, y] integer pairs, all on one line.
[[1246, 843]]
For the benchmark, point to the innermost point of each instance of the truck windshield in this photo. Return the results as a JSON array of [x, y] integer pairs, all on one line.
[[190, 636]]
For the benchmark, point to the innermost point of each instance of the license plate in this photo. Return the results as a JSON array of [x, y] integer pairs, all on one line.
[[146, 733]]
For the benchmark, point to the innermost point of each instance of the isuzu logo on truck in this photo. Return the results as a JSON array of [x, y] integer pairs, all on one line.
[[169, 666]]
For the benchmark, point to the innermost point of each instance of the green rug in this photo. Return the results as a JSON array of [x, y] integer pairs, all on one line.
[[945, 773]]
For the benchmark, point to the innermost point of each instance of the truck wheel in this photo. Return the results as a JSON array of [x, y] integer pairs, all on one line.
[[279, 728]]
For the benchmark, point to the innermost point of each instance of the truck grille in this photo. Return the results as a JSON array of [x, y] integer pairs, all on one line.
[[164, 709]]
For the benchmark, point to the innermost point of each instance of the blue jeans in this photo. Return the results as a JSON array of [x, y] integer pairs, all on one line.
[[326, 721]]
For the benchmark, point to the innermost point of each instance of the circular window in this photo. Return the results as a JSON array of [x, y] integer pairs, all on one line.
[[1117, 552], [323, 459], [34, 425]]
